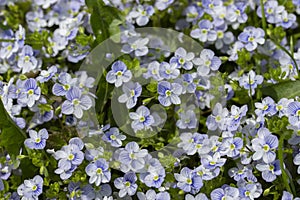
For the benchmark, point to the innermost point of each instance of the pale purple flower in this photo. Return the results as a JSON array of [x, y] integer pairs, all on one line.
[[37, 140], [226, 192], [211, 162], [46, 75], [76, 103], [250, 81], [251, 37], [126, 184], [136, 45], [66, 82], [207, 62], [119, 74], [132, 157], [269, 171], [293, 113], [168, 71], [131, 93], [27, 62], [205, 31], [183, 59], [30, 93], [169, 93], [188, 180], [114, 137], [264, 146], [31, 189], [98, 171], [141, 14], [142, 119]]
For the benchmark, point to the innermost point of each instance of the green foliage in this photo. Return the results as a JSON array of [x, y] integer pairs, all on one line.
[[104, 20], [287, 89], [11, 136]]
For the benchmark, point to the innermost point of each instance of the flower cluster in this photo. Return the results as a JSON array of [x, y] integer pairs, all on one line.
[[211, 112]]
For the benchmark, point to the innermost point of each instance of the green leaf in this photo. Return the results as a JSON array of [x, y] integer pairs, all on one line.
[[287, 89], [102, 16], [11, 136]]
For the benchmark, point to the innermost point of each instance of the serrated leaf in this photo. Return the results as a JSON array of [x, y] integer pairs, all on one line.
[[11, 136], [288, 89]]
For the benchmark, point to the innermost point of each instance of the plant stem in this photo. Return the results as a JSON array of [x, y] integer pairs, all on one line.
[[280, 156], [264, 23]]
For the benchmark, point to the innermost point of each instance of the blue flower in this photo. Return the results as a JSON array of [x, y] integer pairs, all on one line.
[[199, 196], [236, 12], [1, 185], [251, 81], [196, 142], [293, 112], [269, 171], [163, 4], [183, 59], [205, 31], [32, 188], [131, 93], [272, 11], [155, 177], [251, 37], [70, 156], [266, 108], [187, 83], [225, 192], [188, 180], [207, 61], [287, 20], [169, 93], [142, 119], [46, 75], [136, 45], [131, 157], [66, 82], [296, 161], [77, 192], [37, 140], [153, 71], [218, 118], [114, 137], [151, 195], [30, 93], [187, 119], [264, 146], [119, 74], [76, 103], [250, 191], [232, 146], [168, 71], [126, 184], [236, 115], [141, 14], [27, 62], [98, 172], [211, 162]]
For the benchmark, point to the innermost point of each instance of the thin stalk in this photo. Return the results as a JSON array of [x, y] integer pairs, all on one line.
[[280, 156], [264, 23]]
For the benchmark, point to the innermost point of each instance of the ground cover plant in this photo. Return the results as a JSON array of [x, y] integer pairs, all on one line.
[[149, 99]]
